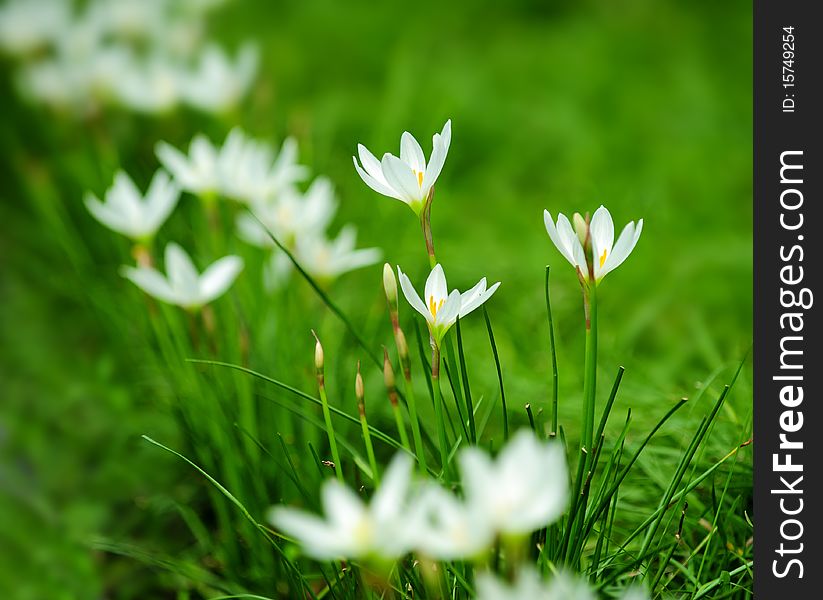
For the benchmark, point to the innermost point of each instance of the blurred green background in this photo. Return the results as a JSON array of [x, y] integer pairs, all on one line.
[[643, 106]]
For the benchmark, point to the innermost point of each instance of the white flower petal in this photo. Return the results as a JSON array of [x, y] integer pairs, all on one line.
[[152, 282], [436, 288], [411, 153], [218, 277], [557, 240], [624, 246], [182, 274], [390, 498], [602, 235], [412, 297], [440, 149], [376, 185], [478, 300], [400, 177]]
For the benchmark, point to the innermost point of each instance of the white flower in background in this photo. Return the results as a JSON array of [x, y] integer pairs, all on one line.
[[195, 173], [183, 285], [439, 307], [530, 586], [447, 528], [217, 84], [599, 233], [290, 215], [408, 178], [327, 259], [30, 25], [133, 19], [524, 489], [152, 86], [350, 528], [249, 171], [128, 212]]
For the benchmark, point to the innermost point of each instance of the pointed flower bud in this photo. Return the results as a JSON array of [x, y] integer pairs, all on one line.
[[390, 286], [360, 391], [319, 357], [388, 378], [581, 227]]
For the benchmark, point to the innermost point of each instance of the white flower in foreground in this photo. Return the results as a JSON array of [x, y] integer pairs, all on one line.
[[217, 84], [524, 489], [350, 528], [327, 259], [408, 178], [183, 285], [530, 586], [128, 212], [29, 25], [439, 307], [599, 234], [290, 215], [195, 173], [448, 528], [249, 171]]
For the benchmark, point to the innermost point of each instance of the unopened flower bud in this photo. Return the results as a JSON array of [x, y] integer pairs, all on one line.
[[390, 285], [581, 227], [318, 353], [402, 346], [388, 378], [360, 391]]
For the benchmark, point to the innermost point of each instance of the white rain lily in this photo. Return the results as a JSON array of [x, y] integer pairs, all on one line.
[[290, 216], [447, 528], [328, 259], [217, 84], [439, 307], [250, 173], [195, 173], [29, 25], [606, 255], [525, 488], [152, 86], [128, 212], [183, 285], [408, 178], [529, 585], [350, 528]]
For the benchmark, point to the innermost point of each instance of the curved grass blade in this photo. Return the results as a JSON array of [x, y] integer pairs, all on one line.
[[499, 374]]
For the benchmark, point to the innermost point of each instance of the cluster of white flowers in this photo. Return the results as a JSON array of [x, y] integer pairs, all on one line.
[[145, 55], [523, 489], [248, 171]]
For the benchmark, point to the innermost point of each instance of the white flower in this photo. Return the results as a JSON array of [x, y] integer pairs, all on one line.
[[530, 586], [183, 285], [29, 25], [290, 215], [408, 178], [350, 528], [217, 84], [447, 528], [126, 211], [151, 86], [605, 254], [328, 259], [440, 307], [195, 173], [524, 489], [248, 170], [135, 19]]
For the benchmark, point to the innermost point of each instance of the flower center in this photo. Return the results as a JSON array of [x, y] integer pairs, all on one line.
[[435, 306], [603, 258], [419, 175]]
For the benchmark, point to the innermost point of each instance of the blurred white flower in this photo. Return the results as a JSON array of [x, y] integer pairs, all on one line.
[[183, 285], [350, 528], [408, 178], [530, 586], [151, 86], [135, 19], [30, 25], [249, 171], [128, 212], [440, 307], [217, 84], [524, 489], [290, 215], [195, 173], [327, 259], [447, 528], [599, 235]]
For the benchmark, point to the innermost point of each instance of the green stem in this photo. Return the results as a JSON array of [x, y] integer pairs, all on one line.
[[415, 422], [338, 468], [590, 369], [369, 448], [401, 427], [438, 410]]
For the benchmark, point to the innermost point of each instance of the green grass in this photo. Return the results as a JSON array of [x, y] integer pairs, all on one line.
[[643, 107]]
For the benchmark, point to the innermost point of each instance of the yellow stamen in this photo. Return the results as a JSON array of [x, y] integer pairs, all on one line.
[[435, 306], [419, 177], [603, 258]]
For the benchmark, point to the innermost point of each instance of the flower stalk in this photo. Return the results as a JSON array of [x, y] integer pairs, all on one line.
[[425, 222], [321, 386], [360, 392], [438, 410], [391, 390]]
